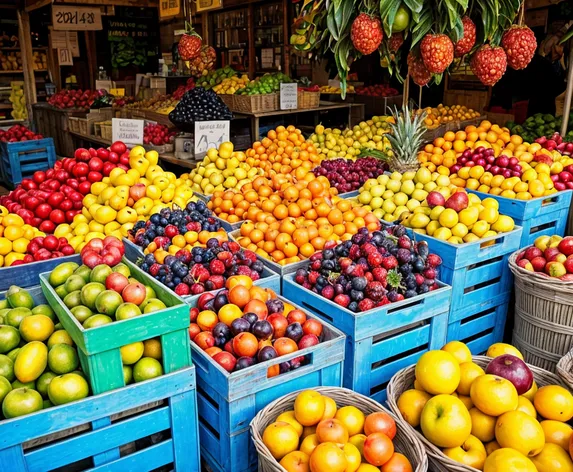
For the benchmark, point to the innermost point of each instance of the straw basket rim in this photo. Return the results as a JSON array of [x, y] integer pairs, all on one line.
[[565, 369], [403, 380], [541, 281], [342, 397]]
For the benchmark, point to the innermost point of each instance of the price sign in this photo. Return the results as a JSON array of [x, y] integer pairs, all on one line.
[[206, 5], [210, 134], [65, 57], [169, 8], [128, 131], [76, 18], [117, 92], [289, 96]]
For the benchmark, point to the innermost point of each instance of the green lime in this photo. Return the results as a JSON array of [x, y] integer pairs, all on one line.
[[9, 338], [21, 401], [62, 359], [146, 368]]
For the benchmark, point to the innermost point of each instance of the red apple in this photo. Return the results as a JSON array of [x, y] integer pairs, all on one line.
[[532, 252], [513, 369], [566, 245], [569, 264], [279, 324], [116, 281], [226, 360], [555, 269], [134, 293], [525, 264], [538, 263]]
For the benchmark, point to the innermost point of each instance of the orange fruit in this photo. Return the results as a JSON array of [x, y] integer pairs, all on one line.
[[280, 438], [378, 449], [397, 463], [239, 295]]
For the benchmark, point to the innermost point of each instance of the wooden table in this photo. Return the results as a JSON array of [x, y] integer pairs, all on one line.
[[82, 140], [323, 107]]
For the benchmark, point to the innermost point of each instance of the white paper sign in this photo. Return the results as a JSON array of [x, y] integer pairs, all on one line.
[[128, 131], [289, 96], [65, 57], [210, 134]]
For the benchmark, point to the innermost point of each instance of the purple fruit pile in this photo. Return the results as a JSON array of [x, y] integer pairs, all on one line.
[[480, 156], [348, 175]]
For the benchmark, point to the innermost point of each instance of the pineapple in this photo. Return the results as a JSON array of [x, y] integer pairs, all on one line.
[[406, 138]]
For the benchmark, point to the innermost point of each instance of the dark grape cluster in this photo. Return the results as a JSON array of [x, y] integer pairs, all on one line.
[[199, 105], [348, 175]]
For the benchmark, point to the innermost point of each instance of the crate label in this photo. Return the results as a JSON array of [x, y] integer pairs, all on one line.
[[128, 131], [210, 134], [76, 18], [289, 96]]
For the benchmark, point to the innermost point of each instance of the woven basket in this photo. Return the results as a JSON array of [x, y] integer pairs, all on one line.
[[543, 329], [565, 369], [307, 100], [404, 380], [228, 99], [106, 130], [405, 440], [255, 103]]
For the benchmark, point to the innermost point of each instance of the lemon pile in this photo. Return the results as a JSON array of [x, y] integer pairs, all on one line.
[[14, 237], [231, 84]]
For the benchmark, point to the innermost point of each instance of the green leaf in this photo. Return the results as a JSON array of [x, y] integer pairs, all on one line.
[[331, 24], [415, 6], [388, 18], [423, 27], [457, 31], [463, 4], [567, 36]]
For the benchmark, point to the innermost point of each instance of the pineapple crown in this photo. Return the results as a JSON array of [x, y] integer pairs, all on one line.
[[190, 31], [406, 135]]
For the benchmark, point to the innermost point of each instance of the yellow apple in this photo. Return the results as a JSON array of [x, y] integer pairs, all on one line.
[[137, 151], [152, 157], [471, 453], [126, 215], [445, 421]]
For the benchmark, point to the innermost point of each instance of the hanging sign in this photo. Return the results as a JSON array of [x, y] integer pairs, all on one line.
[[210, 134], [206, 5], [76, 18], [65, 57], [169, 8], [128, 131], [289, 96]]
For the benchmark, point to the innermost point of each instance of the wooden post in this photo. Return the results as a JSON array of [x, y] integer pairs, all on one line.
[[286, 37], [251, 33], [91, 56], [27, 60], [568, 92]]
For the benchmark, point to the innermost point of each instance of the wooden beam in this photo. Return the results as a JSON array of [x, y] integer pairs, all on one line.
[[54, 65], [286, 38], [27, 60], [34, 5], [91, 56], [251, 36]]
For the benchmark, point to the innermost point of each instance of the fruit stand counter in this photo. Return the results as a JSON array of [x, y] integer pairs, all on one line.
[[54, 123], [324, 106]]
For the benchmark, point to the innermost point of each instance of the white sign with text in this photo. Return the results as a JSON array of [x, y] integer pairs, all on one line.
[[289, 96], [211, 134], [128, 131]]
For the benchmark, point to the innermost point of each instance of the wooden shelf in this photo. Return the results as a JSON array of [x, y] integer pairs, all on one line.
[[11, 72], [40, 70], [274, 25], [6, 106]]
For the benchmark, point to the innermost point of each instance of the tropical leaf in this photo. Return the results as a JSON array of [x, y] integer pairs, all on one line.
[[331, 24], [567, 36], [423, 27], [415, 6]]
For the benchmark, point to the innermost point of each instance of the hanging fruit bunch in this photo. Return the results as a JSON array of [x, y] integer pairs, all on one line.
[[203, 62], [190, 43], [433, 36]]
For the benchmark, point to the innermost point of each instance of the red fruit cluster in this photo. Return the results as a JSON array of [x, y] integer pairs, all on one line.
[[108, 251], [157, 134], [519, 44], [549, 260], [261, 334], [555, 142], [48, 247], [468, 40], [380, 90], [18, 133], [73, 98], [55, 196], [189, 46], [417, 70], [366, 33], [182, 89], [311, 88], [489, 64], [348, 175], [395, 42], [437, 51]]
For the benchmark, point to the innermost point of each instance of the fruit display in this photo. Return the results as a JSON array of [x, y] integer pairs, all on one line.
[[18, 100], [42, 248], [190, 43], [38, 360], [550, 256], [201, 64], [336, 90], [268, 83], [54, 196], [158, 135], [40, 60], [182, 89], [18, 133], [372, 269], [347, 175], [556, 142], [489, 414], [380, 90], [244, 325], [445, 114], [115, 204], [223, 81], [200, 269], [107, 251], [367, 135], [319, 435], [541, 124], [223, 169], [465, 32], [11, 61], [15, 238], [199, 105], [163, 104], [73, 98]]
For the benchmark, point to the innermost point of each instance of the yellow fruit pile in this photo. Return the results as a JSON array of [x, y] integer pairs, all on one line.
[[337, 90], [445, 114], [14, 237], [349, 142], [231, 84], [222, 169], [481, 421], [319, 435], [116, 203]]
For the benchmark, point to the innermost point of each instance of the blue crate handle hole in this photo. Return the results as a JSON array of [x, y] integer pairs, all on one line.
[[484, 284], [404, 305], [487, 262], [544, 227]]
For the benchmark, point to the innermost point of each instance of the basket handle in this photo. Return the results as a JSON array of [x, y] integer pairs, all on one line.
[[555, 199]]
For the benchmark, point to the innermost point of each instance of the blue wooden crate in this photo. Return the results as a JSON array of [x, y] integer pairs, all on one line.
[[28, 275], [140, 427], [481, 327], [538, 216], [228, 402], [478, 272], [22, 159], [381, 341], [348, 195]]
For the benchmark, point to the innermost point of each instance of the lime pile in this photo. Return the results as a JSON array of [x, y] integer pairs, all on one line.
[[268, 83]]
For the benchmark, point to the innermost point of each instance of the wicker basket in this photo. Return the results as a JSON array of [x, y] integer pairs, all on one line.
[[106, 130], [565, 369], [405, 440], [543, 329], [404, 380], [307, 100], [228, 99], [256, 103], [73, 124]]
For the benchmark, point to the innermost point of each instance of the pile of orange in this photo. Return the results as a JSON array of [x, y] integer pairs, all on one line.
[[446, 114], [283, 151]]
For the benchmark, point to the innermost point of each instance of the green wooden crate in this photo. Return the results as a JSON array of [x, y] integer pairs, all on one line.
[[98, 348]]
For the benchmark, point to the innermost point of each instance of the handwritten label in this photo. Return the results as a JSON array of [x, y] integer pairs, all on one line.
[[65, 57], [210, 134], [128, 131], [289, 96], [117, 92], [76, 18]]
